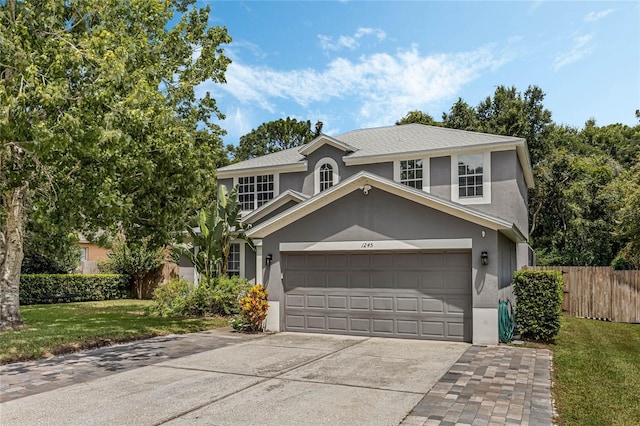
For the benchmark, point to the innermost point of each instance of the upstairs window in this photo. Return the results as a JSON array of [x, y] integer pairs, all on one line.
[[233, 263], [411, 173], [326, 176], [471, 178], [470, 175], [254, 191]]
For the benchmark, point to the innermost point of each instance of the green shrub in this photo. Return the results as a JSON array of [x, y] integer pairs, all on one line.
[[181, 298], [39, 288], [538, 303]]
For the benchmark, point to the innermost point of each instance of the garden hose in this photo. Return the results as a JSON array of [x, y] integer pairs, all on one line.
[[505, 321]]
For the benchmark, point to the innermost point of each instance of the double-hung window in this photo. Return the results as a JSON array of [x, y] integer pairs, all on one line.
[[470, 175], [411, 173], [254, 191], [471, 178], [233, 263]]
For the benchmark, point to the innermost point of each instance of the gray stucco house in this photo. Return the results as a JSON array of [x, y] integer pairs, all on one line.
[[405, 231]]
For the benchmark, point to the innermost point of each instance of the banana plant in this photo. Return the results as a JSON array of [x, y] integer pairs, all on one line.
[[211, 241]]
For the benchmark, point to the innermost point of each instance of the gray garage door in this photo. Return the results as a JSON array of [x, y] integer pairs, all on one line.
[[424, 295]]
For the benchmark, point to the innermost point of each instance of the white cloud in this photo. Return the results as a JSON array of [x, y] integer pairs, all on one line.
[[579, 50], [237, 124], [351, 42], [596, 16], [383, 86]]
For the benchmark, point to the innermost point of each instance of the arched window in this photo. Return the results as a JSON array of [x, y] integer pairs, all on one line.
[[326, 174]]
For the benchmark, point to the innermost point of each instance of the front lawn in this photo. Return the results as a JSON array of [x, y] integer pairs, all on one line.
[[597, 372], [63, 328]]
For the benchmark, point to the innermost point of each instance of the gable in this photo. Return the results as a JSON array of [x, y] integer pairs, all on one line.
[[365, 183], [323, 140]]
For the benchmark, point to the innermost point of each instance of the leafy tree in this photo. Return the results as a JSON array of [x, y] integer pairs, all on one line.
[[627, 215], [99, 120], [211, 242], [418, 117], [275, 136], [461, 116]]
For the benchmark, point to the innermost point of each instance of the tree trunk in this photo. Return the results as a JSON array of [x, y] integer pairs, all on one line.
[[11, 255]]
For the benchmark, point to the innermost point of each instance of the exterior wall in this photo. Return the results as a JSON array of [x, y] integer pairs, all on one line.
[[95, 253], [249, 263], [357, 217], [506, 200], [293, 181], [226, 182], [507, 264], [440, 176]]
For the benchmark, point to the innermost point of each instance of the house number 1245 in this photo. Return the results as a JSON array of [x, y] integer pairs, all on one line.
[[366, 245]]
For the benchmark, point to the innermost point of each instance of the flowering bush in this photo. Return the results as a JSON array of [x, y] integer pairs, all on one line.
[[253, 311]]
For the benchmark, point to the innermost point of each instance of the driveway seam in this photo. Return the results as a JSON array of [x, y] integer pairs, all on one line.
[[203, 405]]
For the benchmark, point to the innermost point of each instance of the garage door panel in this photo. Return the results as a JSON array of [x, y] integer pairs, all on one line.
[[337, 324], [337, 302], [383, 304], [360, 325], [294, 322], [359, 302], [407, 328], [316, 279], [359, 261], [432, 306], [433, 280], [381, 260], [358, 280], [337, 279], [417, 295], [316, 323], [337, 261], [407, 279], [316, 301], [296, 262], [294, 301], [458, 260], [383, 326], [382, 279]]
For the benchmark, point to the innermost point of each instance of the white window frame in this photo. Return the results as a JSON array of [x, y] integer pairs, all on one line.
[[276, 188], [241, 244], [84, 254], [486, 180], [316, 173], [426, 181]]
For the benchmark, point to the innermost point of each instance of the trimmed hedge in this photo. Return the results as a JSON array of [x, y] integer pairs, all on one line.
[[47, 288], [538, 303]]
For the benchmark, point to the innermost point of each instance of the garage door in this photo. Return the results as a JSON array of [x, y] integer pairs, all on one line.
[[424, 295]]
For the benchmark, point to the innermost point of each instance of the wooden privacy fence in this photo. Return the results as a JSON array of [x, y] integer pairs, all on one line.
[[599, 292]]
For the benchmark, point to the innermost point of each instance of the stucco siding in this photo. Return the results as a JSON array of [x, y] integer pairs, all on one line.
[[249, 263], [226, 182], [357, 217], [507, 265], [440, 177]]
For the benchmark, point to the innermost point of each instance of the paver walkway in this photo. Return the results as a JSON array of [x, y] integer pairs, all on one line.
[[487, 385], [495, 385], [28, 378]]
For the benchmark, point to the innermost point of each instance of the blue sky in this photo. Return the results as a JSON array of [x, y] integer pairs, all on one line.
[[356, 64]]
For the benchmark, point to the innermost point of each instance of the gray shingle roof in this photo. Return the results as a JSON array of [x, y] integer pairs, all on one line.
[[391, 140]]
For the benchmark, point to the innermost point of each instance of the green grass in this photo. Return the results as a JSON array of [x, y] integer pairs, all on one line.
[[63, 328], [597, 373]]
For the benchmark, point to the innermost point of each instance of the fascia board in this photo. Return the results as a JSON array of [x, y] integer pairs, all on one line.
[[363, 178], [274, 204], [525, 163], [383, 158], [278, 168], [322, 140]]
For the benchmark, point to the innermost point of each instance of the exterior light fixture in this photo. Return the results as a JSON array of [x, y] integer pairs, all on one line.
[[268, 259], [484, 258]]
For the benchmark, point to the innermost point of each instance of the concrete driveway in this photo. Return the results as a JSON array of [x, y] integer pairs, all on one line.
[[283, 379]]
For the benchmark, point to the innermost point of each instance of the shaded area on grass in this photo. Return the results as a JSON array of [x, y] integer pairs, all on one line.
[[597, 372], [65, 328]]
